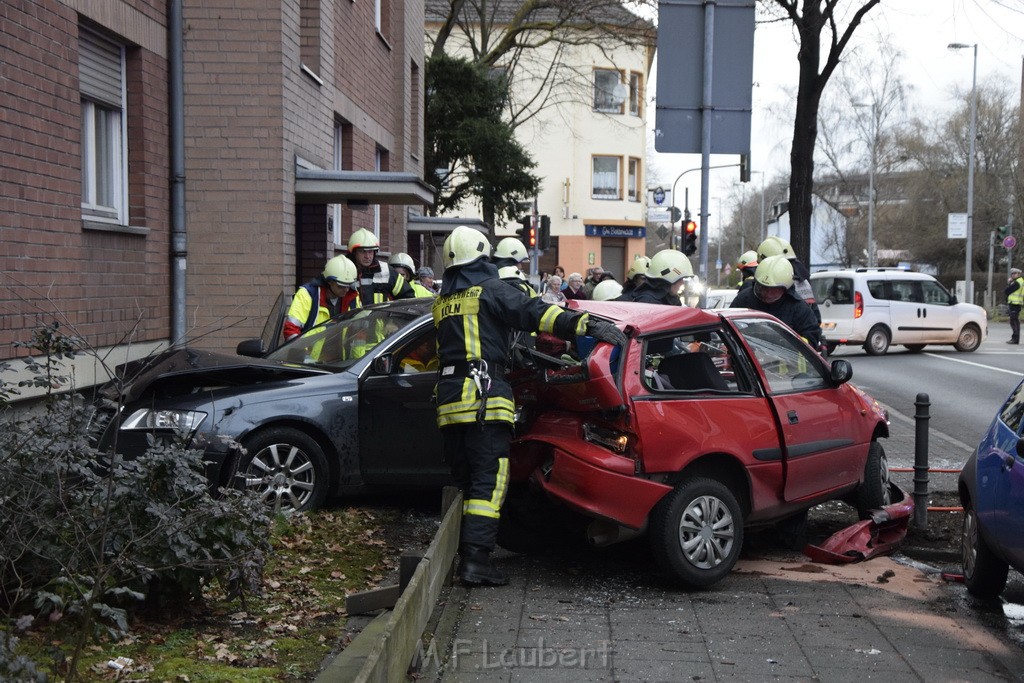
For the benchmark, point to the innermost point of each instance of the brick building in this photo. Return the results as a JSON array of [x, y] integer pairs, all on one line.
[[300, 123]]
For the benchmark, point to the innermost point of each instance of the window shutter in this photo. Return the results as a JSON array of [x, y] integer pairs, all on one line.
[[99, 69]]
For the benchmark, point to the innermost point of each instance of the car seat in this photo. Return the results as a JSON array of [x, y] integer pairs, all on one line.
[[692, 372]]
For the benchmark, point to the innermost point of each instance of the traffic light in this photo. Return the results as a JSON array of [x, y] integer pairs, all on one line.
[[544, 234], [527, 235], [745, 168], [689, 238], [1002, 231]]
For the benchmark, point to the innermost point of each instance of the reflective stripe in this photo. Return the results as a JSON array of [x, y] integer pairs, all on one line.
[[581, 324], [471, 333], [1017, 296], [547, 321], [490, 508]]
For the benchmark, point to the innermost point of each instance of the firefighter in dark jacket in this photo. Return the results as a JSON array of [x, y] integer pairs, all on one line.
[[475, 315], [377, 282], [334, 292], [667, 269], [773, 293], [509, 255]]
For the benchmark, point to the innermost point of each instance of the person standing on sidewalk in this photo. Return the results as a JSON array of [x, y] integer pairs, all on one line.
[[1014, 299], [475, 315]]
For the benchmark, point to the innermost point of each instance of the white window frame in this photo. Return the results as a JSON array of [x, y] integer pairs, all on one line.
[[105, 148], [595, 191], [378, 162], [633, 179], [334, 210], [635, 92]]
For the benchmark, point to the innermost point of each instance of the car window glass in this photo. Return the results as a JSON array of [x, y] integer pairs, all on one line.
[[934, 293], [789, 364], [345, 339], [1013, 410], [698, 362], [902, 290], [878, 289], [420, 356], [838, 290]]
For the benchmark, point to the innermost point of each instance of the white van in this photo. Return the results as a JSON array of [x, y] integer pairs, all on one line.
[[876, 307]]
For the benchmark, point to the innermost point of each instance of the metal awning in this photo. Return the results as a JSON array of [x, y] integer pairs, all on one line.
[[441, 224], [315, 186]]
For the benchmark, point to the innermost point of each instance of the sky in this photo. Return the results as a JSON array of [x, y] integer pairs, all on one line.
[[922, 29]]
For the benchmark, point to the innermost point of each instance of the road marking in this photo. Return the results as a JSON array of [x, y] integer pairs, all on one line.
[[903, 417], [977, 365]]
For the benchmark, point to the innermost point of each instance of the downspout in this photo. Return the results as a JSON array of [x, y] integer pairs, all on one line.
[[176, 83]]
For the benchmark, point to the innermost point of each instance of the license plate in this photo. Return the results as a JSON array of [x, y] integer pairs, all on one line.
[[828, 326]]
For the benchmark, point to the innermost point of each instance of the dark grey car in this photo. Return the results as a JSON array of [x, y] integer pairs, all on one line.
[[344, 408]]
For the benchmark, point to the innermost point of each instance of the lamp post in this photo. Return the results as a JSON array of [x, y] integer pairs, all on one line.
[[871, 182], [968, 284]]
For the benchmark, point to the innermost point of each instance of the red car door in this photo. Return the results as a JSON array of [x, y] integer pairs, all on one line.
[[824, 435]]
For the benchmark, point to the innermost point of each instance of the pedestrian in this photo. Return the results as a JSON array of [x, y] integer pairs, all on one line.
[[594, 276], [665, 275], [377, 282], [475, 315], [776, 246], [333, 291], [772, 292], [425, 276], [553, 291], [1014, 299], [573, 289], [404, 264], [560, 272]]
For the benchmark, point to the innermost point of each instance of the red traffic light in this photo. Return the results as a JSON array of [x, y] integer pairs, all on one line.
[[531, 237], [690, 227]]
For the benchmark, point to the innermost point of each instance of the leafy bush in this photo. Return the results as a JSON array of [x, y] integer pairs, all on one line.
[[87, 534]]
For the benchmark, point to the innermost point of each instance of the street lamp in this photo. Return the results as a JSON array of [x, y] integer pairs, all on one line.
[[763, 236], [968, 284], [871, 182]]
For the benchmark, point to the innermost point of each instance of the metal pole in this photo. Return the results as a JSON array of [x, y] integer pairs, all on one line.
[[921, 418], [990, 299], [970, 178], [707, 107], [871, 187], [762, 208], [691, 170]]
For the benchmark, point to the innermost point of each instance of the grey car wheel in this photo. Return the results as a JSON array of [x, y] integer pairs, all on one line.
[[969, 339], [876, 491], [877, 342], [287, 468]]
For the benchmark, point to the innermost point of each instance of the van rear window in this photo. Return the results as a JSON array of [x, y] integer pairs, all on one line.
[[838, 290]]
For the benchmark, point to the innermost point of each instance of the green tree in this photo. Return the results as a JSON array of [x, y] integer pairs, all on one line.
[[471, 150]]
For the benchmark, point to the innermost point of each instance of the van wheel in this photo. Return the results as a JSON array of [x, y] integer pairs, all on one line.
[[915, 348], [877, 342], [969, 339]]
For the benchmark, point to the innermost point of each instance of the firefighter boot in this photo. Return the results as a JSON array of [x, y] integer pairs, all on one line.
[[476, 569]]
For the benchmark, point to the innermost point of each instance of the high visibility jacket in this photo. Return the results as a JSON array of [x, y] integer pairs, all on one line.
[[378, 284], [475, 315], [1016, 297], [420, 291], [302, 315]]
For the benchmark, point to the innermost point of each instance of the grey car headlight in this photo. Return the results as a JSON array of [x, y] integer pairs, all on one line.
[[185, 421]]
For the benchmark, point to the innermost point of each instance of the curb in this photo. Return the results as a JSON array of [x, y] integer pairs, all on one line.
[[384, 650]]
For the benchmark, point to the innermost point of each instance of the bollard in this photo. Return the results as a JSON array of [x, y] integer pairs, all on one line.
[[921, 418]]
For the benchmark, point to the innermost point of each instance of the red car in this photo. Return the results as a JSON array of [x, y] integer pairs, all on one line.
[[708, 422]]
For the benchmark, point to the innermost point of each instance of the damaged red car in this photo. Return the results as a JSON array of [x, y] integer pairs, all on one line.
[[707, 423]]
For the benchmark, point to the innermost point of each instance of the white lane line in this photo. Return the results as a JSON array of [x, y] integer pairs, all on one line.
[[977, 365], [910, 420]]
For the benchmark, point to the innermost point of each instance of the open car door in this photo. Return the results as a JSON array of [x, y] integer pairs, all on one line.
[[272, 329]]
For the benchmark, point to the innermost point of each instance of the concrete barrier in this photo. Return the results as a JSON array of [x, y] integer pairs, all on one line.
[[383, 651]]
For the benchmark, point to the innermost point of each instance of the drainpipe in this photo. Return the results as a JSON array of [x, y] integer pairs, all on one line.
[[176, 79]]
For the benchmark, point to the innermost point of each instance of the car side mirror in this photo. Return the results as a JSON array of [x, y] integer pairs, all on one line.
[[953, 301], [251, 347], [382, 364], [841, 371]]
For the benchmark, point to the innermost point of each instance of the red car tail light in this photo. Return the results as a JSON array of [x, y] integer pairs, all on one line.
[[858, 305]]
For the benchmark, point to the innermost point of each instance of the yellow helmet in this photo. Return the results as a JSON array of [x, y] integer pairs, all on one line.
[[512, 248], [774, 271], [402, 259], [363, 239], [775, 246], [339, 269], [669, 265], [465, 245], [639, 267], [748, 259], [606, 290]]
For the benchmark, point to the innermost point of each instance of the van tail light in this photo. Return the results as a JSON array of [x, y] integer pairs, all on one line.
[[858, 305]]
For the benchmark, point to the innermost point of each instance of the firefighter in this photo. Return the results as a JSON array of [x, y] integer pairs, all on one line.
[[667, 270], [334, 291], [773, 293], [509, 255], [607, 290], [404, 264], [637, 273], [746, 265], [377, 282], [776, 246], [475, 314]]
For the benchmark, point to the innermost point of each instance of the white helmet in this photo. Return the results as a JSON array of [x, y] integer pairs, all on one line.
[[506, 272], [402, 259], [512, 248], [774, 271], [748, 259], [775, 246], [669, 265], [363, 239], [339, 269], [639, 267], [464, 245], [606, 290]]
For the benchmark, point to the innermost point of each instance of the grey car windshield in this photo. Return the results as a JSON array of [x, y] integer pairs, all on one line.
[[344, 340]]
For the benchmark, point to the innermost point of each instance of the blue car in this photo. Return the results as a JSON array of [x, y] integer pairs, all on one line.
[[992, 494]]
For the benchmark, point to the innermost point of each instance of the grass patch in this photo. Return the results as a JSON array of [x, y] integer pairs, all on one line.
[[283, 635]]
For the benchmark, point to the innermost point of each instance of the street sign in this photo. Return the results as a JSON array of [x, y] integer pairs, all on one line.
[[659, 214], [956, 226], [1009, 242]]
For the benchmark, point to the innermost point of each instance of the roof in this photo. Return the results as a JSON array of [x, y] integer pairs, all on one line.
[[578, 12], [648, 318]]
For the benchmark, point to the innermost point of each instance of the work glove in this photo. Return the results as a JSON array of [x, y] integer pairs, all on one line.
[[603, 330]]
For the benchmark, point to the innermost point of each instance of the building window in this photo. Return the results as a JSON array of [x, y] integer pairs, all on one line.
[[382, 17], [633, 180], [309, 34], [608, 95], [101, 66], [415, 110], [334, 210], [606, 183], [380, 165], [636, 93]]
